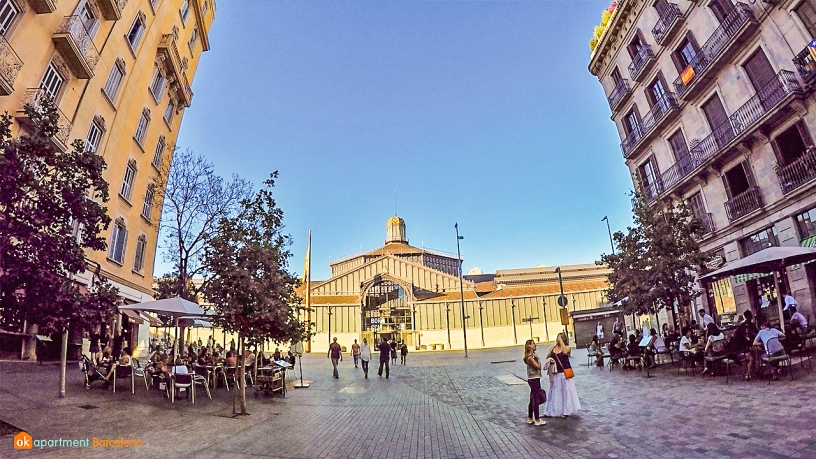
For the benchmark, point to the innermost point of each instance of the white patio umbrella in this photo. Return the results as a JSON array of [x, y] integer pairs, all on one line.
[[766, 260]]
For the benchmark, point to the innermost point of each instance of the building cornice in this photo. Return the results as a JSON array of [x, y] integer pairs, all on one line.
[[622, 20], [202, 26]]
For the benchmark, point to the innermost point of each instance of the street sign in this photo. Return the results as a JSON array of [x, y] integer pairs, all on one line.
[[562, 301], [564, 316]]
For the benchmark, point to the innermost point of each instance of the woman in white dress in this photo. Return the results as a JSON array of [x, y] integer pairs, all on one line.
[[563, 398]]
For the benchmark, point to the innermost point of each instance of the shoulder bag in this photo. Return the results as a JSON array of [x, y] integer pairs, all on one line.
[[568, 373]]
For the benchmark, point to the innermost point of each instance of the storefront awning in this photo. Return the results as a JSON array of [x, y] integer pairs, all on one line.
[[133, 316], [808, 242]]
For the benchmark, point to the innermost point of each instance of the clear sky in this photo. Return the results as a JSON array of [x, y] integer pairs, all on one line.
[[476, 112]]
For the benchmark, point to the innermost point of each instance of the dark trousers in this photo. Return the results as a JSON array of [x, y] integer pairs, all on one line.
[[380, 371], [334, 364], [365, 366], [535, 398]]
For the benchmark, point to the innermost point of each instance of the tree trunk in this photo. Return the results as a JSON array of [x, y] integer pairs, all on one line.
[[242, 376], [63, 361]]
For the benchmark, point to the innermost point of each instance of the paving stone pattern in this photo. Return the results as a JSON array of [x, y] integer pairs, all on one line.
[[440, 405]]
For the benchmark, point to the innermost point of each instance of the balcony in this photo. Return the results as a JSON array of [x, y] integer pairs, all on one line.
[[723, 43], [798, 173], [43, 6], [743, 204], [664, 110], [10, 65], [76, 46], [169, 52], [707, 221], [619, 94], [33, 97], [668, 24], [806, 66], [642, 62], [760, 109], [112, 9], [652, 190]]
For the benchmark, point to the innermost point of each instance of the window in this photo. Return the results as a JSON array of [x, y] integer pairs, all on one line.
[[204, 7], [127, 181], [635, 45], [116, 252], [138, 262], [677, 143], [631, 122], [111, 87], [169, 111], [157, 85], [8, 12], [134, 37], [76, 230], [185, 11], [718, 121], [193, 38], [792, 143], [88, 18], [52, 82], [685, 53], [806, 222], [616, 75], [648, 175], [807, 13], [759, 241], [737, 180], [141, 128], [759, 70], [147, 207], [699, 210], [721, 9], [94, 137], [157, 156], [656, 92]]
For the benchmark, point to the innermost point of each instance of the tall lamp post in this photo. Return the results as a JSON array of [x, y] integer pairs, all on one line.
[[461, 286], [609, 230]]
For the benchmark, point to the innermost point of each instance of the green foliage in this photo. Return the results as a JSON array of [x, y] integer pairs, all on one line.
[[250, 288], [50, 216], [656, 259]]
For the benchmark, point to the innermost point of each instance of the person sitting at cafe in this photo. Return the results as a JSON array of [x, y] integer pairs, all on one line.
[[632, 350], [277, 355], [650, 350], [124, 359], [291, 357], [688, 349], [770, 338], [203, 356], [706, 318], [249, 359], [179, 368], [595, 349], [231, 360], [215, 358], [798, 323], [617, 350], [715, 344], [741, 343]]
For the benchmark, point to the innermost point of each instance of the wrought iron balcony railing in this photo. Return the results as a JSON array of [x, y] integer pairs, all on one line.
[[707, 221], [806, 65], [742, 121], [641, 62], [649, 123], [33, 97], [798, 173], [10, 65], [619, 93], [652, 190], [714, 48], [667, 24], [77, 47], [743, 204]]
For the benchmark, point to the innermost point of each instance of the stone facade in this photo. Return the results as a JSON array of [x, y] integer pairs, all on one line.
[[745, 167]]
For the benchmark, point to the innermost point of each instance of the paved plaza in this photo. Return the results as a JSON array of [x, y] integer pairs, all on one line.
[[440, 405]]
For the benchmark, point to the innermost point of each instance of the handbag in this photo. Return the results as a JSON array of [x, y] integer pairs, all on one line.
[[542, 397], [568, 373]]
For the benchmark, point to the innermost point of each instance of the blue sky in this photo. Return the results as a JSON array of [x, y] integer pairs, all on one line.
[[476, 112]]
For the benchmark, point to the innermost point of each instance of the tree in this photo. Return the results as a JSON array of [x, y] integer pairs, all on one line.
[[251, 290], [51, 214], [656, 259], [194, 201]]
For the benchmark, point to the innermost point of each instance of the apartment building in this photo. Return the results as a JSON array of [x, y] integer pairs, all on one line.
[[713, 101], [120, 72]]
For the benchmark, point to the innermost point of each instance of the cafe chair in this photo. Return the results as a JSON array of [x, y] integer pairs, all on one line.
[[139, 372], [183, 383], [797, 345], [687, 361], [90, 371], [590, 355], [778, 361], [201, 377], [229, 375], [124, 371]]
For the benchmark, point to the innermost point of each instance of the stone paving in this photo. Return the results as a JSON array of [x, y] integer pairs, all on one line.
[[440, 405]]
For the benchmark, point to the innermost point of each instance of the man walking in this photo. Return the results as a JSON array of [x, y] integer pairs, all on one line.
[[355, 352], [336, 356], [365, 356], [385, 351]]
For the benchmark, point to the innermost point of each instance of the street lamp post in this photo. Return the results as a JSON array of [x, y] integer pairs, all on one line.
[[609, 230], [461, 287]]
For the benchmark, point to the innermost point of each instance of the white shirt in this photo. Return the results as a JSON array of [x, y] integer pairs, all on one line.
[[790, 301], [365, 352], [683, 341], [797, 316], [765, 335], [716, 339], [707, 319]]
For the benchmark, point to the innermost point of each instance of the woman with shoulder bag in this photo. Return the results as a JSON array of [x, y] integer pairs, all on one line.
[[537, 395], [563, 399]]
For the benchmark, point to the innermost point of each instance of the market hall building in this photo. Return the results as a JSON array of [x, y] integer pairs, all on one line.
[[412, 294]]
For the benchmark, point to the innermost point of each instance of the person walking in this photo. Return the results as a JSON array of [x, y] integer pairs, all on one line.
[[355, 352], [403, 352], [393, 347], [365, 356], [537, 396], [336, 356], [385, 349], [563, 399]]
